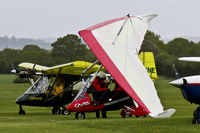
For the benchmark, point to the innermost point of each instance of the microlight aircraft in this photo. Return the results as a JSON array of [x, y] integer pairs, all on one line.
[[120, 99], [116, 43], [54, 87], [190, 88]]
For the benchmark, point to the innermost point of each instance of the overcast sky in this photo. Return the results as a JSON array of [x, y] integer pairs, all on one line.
[[56, 18]]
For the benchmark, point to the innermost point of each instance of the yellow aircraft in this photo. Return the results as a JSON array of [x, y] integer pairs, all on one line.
[[54, 87], [147, 58]]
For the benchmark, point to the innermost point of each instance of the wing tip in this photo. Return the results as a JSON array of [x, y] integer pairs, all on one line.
[[148, 17], [189, 59], [165, 114]]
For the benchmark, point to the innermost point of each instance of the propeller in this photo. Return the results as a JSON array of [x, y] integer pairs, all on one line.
[[14, 71], [176, 72]]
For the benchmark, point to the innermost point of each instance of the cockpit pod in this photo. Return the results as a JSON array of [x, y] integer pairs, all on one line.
[[48, 91]]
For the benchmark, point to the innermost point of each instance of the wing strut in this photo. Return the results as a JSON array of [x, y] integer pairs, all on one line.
[[54, 83], [127, 17], [33, 84], [97, 61]]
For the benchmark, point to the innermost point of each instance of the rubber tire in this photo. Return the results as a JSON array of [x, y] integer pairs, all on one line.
[[56, 111], [196, 115], [140, 116], [22, 112], [198, 119], [80, 115], [65, 112], [126, 115]]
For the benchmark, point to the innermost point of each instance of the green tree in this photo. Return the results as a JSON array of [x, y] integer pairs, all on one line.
[[152, 43], [31, 47], [69, 48]]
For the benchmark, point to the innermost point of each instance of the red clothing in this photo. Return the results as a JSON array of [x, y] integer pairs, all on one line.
[[99, 85], [119, 88]]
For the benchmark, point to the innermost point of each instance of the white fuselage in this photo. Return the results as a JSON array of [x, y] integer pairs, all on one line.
[[190, 80]]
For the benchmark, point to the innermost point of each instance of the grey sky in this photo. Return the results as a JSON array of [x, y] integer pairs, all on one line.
[[55, 18]]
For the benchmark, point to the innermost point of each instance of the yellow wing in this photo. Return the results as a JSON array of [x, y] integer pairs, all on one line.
[[38, 68], [147, 58], [72, 68]]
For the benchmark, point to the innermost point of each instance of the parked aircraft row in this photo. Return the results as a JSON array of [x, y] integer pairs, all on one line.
[[56, 86], [116, 44]]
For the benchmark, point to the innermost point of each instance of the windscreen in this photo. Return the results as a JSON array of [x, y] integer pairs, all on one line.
[[81, 93], [40, 85]]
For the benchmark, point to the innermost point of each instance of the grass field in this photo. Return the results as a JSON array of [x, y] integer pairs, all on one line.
[[40, 120]]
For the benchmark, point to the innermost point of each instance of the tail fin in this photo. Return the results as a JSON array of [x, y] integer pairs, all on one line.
[[176, 72], [147, 58]]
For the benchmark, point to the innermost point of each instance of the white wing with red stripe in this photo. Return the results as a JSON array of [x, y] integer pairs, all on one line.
[[116, 44]]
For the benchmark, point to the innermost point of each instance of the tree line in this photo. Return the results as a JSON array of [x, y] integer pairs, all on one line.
[[66, 49], [167, 54], [70, 48]]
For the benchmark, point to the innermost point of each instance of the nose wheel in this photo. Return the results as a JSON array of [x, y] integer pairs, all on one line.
[[196, 116], [21, 111], [80, 115]]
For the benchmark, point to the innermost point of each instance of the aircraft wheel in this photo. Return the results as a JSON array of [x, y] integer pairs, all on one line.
[[56, 111], [126, 115], [66, 112], [196, 119], [21, 112], [129, 115], [140, 116], [80, 115]]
